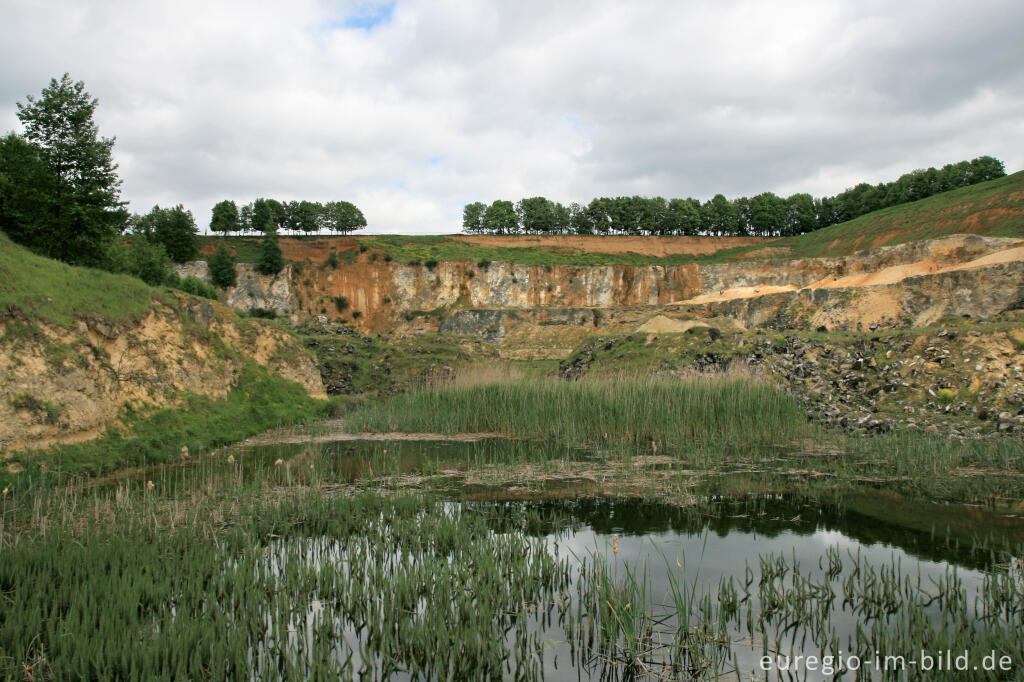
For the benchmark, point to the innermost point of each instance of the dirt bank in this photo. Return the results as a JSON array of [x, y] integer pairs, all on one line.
[[647, 246]]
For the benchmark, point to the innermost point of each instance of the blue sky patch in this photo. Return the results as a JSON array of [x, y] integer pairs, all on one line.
[[367, 16]]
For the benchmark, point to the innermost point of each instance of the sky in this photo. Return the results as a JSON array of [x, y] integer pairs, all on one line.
[[412, 108]]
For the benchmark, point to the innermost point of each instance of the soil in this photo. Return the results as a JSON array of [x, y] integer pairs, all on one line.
[[647, 246], [889, 275]]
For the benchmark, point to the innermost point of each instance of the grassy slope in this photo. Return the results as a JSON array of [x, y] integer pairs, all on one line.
[[994, 208], [50, 291], [40, 290]]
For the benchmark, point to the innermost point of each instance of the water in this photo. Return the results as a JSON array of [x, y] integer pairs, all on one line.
[[764, 546], [650, 589]]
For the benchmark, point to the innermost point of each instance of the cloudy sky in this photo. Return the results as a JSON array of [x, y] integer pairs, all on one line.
[[413, 108]]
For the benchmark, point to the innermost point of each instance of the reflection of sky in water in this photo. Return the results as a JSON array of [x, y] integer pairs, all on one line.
[[708, 556], [653, 538]]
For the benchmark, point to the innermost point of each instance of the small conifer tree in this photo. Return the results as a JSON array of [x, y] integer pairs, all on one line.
[[271, 260], [222, 268]]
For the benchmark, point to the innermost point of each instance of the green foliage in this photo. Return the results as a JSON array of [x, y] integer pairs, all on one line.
[[191, 285], [30, 206], [500, 218], [48, 411], [74, 211], [332, 259], [341, 303], [765, 214], [174, 228], [225, 217], [473, 217], [48, 290], [623, 410], [147, 260], [258, 401], [271, 260], [991, 208], [222, 267]]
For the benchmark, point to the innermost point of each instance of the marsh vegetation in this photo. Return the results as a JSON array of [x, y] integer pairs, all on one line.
[[702, 525]]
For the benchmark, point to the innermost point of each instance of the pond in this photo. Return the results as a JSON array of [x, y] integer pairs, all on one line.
[[528, 572]]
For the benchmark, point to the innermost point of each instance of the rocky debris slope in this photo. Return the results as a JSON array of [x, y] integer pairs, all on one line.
[[352, 363], [963, 380], [66, 385]]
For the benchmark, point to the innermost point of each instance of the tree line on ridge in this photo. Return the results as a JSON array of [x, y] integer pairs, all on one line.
[[764, 215]]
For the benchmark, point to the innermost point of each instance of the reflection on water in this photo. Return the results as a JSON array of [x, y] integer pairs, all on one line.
[[835, 574]]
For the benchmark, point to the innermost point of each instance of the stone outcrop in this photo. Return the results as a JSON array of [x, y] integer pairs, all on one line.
[[68, 385], [916, 281]]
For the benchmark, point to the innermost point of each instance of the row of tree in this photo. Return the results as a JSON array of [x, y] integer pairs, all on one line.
[[266, 215], [763, 215], [60, 197]]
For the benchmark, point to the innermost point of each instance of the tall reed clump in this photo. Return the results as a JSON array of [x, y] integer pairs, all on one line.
[[624, 410]]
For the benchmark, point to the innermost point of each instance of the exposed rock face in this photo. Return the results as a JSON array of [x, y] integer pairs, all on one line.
[[70, 385], [255, 291], [906, 282]]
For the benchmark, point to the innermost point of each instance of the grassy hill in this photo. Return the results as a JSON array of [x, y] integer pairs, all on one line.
[[994, 209], [51, 291]]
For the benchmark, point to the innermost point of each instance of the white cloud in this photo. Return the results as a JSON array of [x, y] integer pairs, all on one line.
[[426, 105]]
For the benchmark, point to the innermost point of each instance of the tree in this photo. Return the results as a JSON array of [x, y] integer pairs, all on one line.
[[305, 216], [800, 216], [86, 195], [537, 215], [29, 208], [768, 214], [500, 218], [225, 217], [271, 260], [343, 217], [175, 228], [264, 217], [222, 268], [245, 218], [473, 217]]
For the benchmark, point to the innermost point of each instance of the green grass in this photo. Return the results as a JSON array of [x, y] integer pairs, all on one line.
[[423, 249], [623, 410], [993, 209], [258, 401], [748, 429], [50, 291]]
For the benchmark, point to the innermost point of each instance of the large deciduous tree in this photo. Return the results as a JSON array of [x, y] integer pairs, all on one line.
[[473, 217], [175, 228], [500, 218], [84, 190], [225, 217]]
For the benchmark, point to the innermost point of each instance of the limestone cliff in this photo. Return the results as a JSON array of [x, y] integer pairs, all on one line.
[[893, 283], [70, 384]]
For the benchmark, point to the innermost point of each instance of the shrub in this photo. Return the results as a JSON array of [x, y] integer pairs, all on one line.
[[332, 259], [47, 410], [431, 264], [197, 287], [341, 303], [484, 264], [263, 313]]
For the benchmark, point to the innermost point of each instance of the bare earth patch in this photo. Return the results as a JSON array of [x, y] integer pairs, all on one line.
[[646, 246]]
